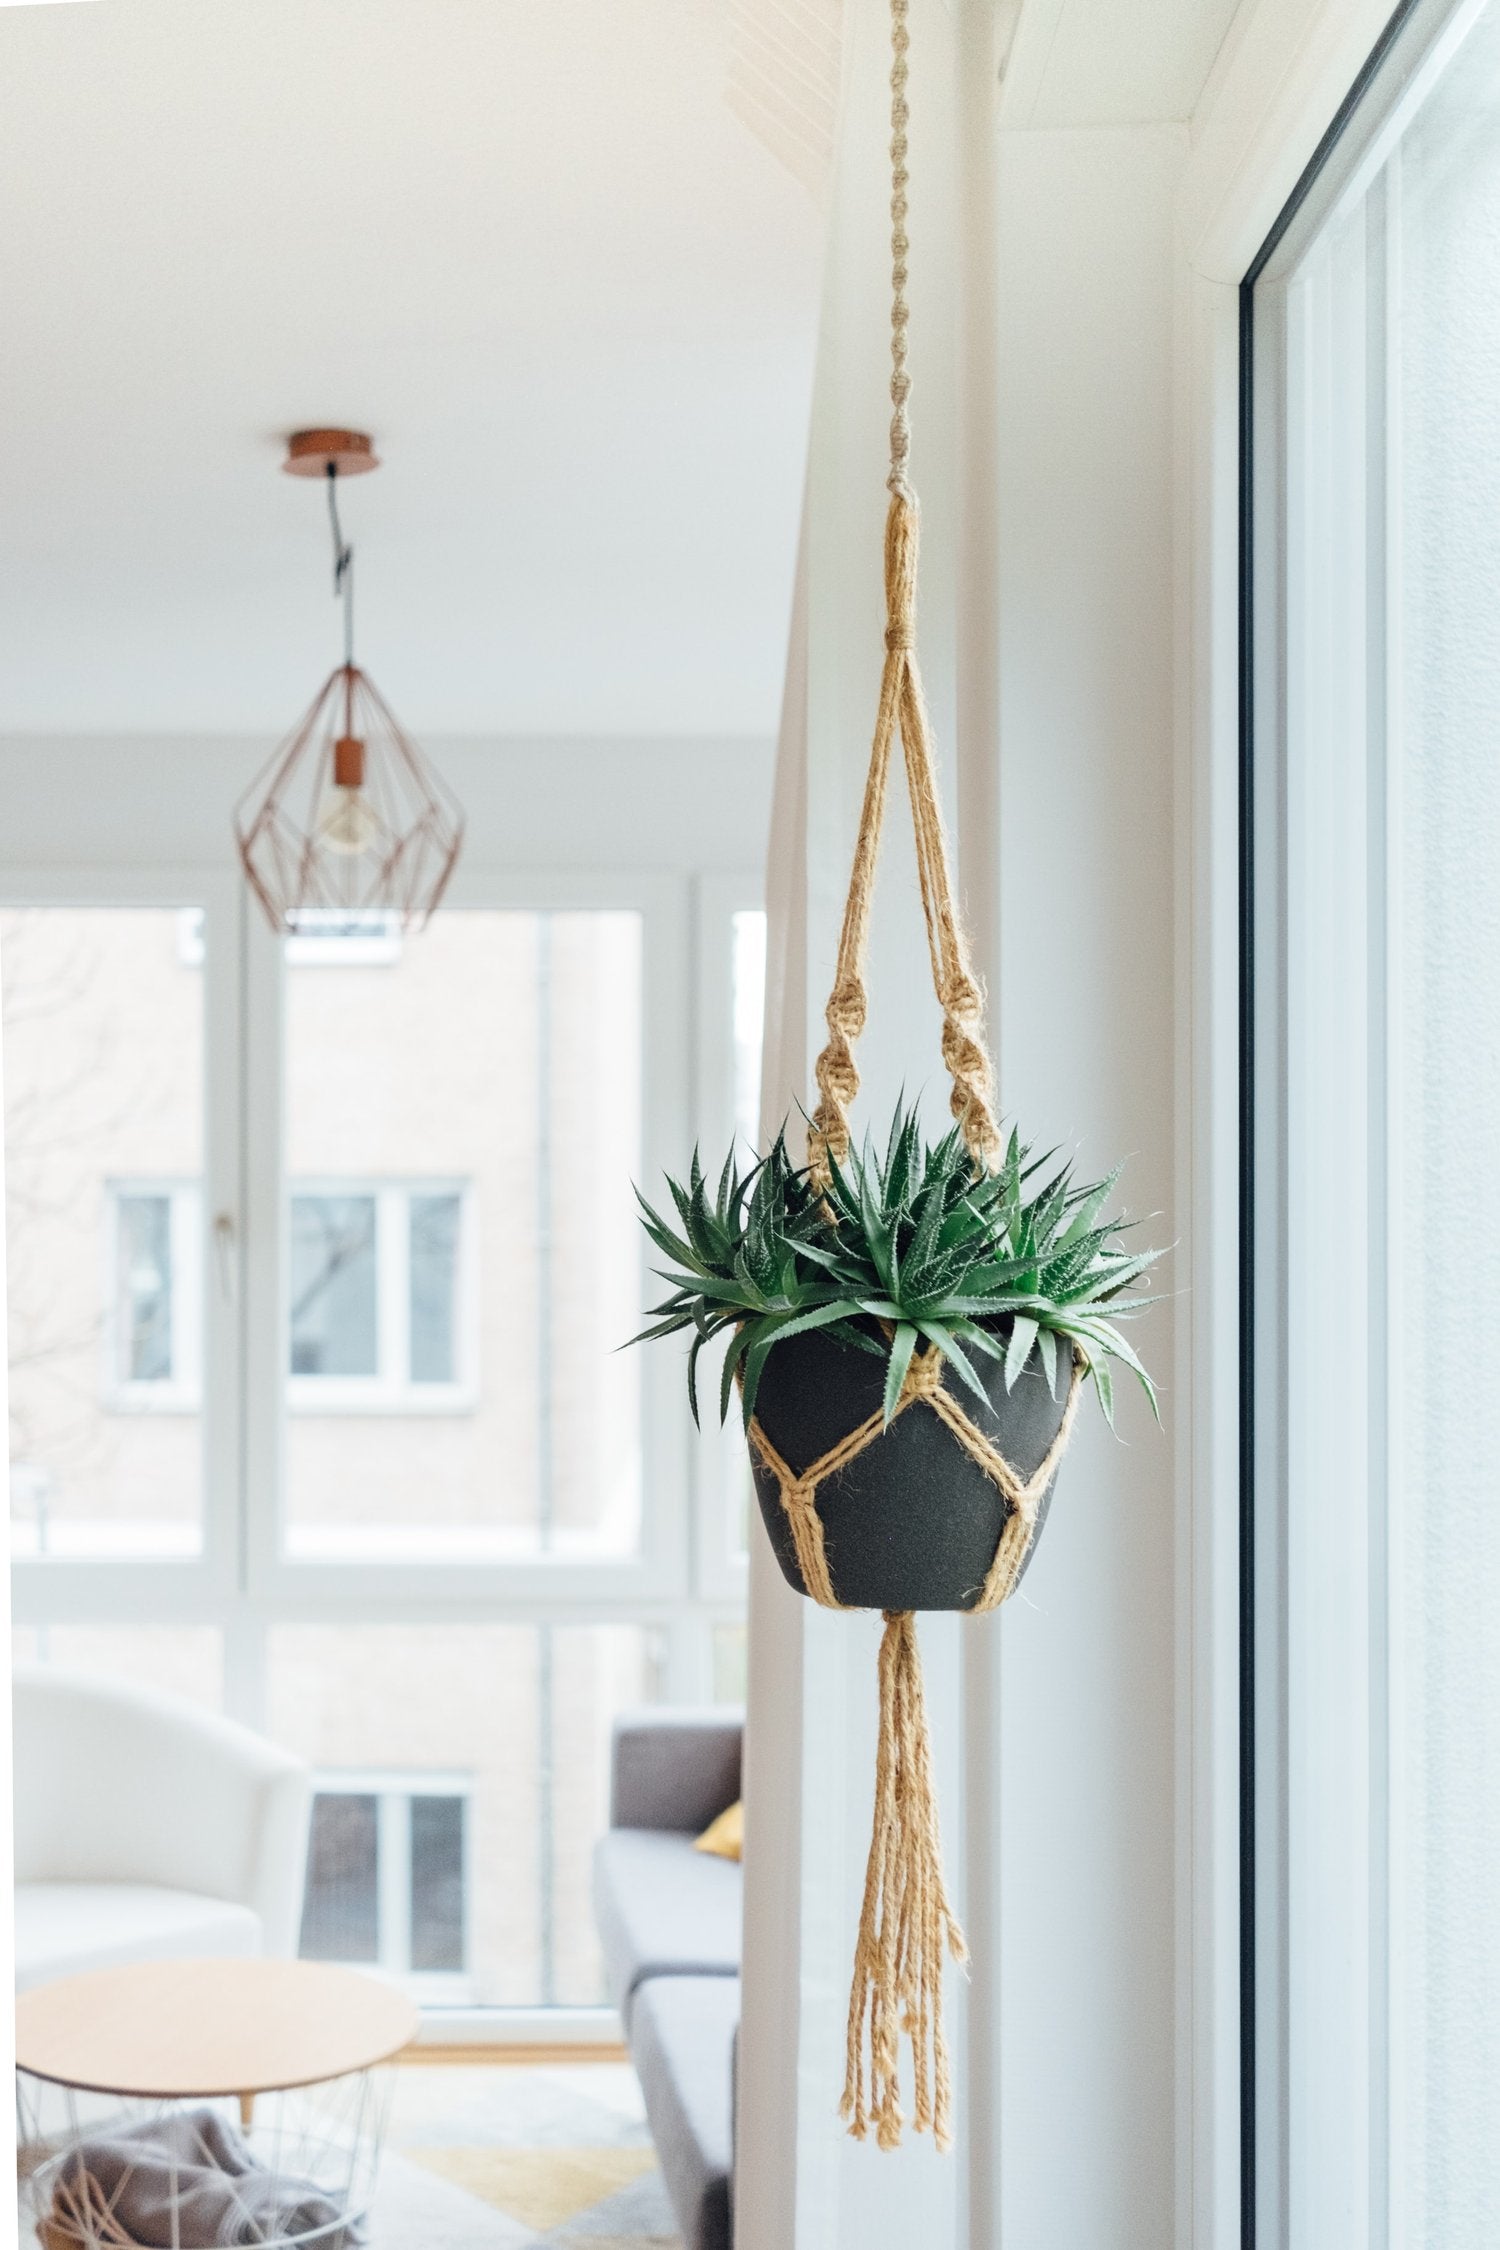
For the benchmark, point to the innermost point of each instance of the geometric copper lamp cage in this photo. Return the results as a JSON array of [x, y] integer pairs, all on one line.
[[348, 817]]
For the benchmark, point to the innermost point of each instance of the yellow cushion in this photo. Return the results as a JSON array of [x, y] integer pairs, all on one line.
[[724, 1837]]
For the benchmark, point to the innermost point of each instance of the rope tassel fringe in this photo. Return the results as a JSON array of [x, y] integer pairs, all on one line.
[[906, 1926]]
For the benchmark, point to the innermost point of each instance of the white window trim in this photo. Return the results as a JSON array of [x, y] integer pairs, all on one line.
[[241, 1580], [665, 1563], [1270, 98], [56, 1587], [241, 1585], [391, 1390], [1323, 2155], [182, 1391], [357, 940], [721, 1465], [327, 938]]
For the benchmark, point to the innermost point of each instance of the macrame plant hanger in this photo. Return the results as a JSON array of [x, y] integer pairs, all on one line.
[[907, 1925]]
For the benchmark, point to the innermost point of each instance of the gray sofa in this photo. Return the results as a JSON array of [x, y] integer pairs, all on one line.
[[669, 1924]]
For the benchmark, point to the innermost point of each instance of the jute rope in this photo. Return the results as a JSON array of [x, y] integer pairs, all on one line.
[[907, 1926], [960, 995], [903, 706]]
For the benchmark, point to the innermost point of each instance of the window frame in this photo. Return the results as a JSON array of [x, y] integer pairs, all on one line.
[[240, 1585], [181, 1392], [719, 1457], [1320, 1691], [664, 1565], [393, 1790], [86, 1590]]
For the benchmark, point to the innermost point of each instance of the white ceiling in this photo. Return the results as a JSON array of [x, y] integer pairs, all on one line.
[[1110, 62], [528, 245]]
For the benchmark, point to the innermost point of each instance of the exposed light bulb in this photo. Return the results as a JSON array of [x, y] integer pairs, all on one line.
[[346, 822]]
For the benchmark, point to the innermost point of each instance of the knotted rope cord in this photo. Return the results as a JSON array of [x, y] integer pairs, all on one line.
[[906, 1924], [902, 704]]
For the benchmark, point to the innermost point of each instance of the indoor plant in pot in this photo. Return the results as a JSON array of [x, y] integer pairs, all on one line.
[[879, 1285], [911, 1333]]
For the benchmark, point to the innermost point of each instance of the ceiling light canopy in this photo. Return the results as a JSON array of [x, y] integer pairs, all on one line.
[[349, 816]]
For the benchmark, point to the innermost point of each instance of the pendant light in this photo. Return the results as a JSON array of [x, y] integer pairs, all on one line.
[[349, 818]]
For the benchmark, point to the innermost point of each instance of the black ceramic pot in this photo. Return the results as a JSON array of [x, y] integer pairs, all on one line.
[[913, 1521]]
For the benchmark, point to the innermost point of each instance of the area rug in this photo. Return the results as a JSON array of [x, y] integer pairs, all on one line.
[[502, 2156]]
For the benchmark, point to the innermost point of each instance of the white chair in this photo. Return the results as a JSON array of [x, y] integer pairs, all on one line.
[[147, 1829]]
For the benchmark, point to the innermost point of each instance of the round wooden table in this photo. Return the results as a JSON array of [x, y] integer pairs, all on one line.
[[172, 2030], [157, 2034]]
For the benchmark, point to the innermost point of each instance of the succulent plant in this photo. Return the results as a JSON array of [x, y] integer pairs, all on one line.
[[918, 1245]]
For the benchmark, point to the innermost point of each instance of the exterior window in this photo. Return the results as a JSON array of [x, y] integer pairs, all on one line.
[[749, 973], [466, 1246], [322, 1278], [105, 1114], [387, 1875], [437, 1883], [144, 1332], [341, 1905], [749, 1011], [334, 1320], [154, 1352], [376, 1313], [432, 1269], [469, 1860]]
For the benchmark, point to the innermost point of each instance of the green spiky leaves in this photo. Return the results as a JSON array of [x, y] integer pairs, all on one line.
[[915, 1247]]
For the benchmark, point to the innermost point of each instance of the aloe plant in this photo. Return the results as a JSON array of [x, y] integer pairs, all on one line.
[[917, 1245]]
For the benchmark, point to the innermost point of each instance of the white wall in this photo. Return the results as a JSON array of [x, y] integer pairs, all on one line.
[[552, 802], [1079, 1972], [1063, 1854], [811, 1744]]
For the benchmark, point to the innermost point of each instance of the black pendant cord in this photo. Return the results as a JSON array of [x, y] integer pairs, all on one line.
[[343, 562]]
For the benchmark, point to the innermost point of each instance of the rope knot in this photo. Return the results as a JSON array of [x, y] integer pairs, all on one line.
[[924, 1375], [846, 1007]]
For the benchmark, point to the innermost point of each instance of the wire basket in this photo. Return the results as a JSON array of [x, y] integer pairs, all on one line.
[[297, 2173]]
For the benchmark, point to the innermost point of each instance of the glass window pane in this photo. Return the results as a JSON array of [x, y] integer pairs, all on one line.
[[586, 1674], [143, 1302], [437, 1883], [1445, 1142], [433, 1231], [730, 1657], [104, 1077], [180, 1660], [521, 1716], [749, 968], [341, 1905], [499, 1054], [332, 1262], [1379, 1104]]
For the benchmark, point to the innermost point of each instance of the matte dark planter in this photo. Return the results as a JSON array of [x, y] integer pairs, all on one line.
[[913, 1521]]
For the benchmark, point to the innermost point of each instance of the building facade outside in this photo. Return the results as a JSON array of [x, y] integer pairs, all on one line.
[[460, 1265]]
